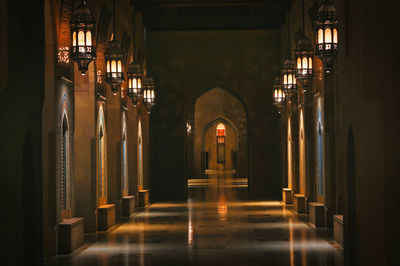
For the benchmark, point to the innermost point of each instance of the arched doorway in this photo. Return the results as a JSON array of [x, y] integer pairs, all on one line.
[[101, 160], [220, 147], [140, 157], [207, 110]]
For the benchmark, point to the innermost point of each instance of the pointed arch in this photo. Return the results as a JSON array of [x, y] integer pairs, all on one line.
[[101, 158], [124, 148], [140, 157]]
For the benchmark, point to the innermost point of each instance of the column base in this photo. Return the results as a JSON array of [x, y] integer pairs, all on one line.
[[299, 203], [143, 198], [106, 217], [317, 214], [338, 229], [128, 206], [70, 235], [287, 195]]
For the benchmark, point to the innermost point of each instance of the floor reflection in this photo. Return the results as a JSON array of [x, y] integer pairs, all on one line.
[[216, 226]]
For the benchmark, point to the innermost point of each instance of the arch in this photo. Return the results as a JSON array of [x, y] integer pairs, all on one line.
[[65, 157], [220, 123], [140, 156], [125, 181], [230, 107], [320, 156], [302, 156], [101, 159], [192, 100], [290, 154]]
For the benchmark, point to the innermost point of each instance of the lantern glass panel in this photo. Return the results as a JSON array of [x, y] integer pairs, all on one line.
[[320, 36], [113, 66], [74, 39], [305, 63], [81, 38], [88, 38], [119, 66], [335, 36], [328, 35]]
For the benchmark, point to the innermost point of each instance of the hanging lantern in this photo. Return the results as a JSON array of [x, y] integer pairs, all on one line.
[[149, 93], [114, 64], [289, 78], [135, 77], [327, 34], [304, 61], [278, 94], [82, 27]]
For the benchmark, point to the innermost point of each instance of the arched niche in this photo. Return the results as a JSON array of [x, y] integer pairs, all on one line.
[[101, 159], [124, 161], [140, 157]]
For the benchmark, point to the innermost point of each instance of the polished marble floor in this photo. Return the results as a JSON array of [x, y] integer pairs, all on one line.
[[216, 226]]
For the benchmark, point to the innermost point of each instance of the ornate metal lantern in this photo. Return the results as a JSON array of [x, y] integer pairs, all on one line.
[[327, 34], [278, 94], [304, 61], [114, 61], [149, 93], [289, 78], [135, 77], [82, 27]]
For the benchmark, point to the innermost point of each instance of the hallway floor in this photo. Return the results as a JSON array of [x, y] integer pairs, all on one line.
[[217, 226]]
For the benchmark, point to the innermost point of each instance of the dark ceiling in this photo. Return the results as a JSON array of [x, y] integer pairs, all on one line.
[[166, 15]]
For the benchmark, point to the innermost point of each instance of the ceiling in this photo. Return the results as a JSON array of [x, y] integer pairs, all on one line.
[[168, 15]]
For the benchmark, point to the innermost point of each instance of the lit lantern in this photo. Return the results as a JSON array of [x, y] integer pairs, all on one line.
[[114, 61], [135, 78], [278, 94], [289, 78], [82, 27], [114, 65], [149, 93], [304, 61], [327, 34]]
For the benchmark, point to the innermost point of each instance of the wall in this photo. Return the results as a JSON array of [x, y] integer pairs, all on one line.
[[185, 65], [21, 100]]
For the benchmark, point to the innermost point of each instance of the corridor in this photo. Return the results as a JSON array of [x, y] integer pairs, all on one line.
[[216, 226]]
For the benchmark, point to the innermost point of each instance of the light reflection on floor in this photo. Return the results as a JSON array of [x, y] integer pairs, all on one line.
[[215, 227]]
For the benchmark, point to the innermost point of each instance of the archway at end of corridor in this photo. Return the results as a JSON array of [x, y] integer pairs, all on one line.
[[216, 143]]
